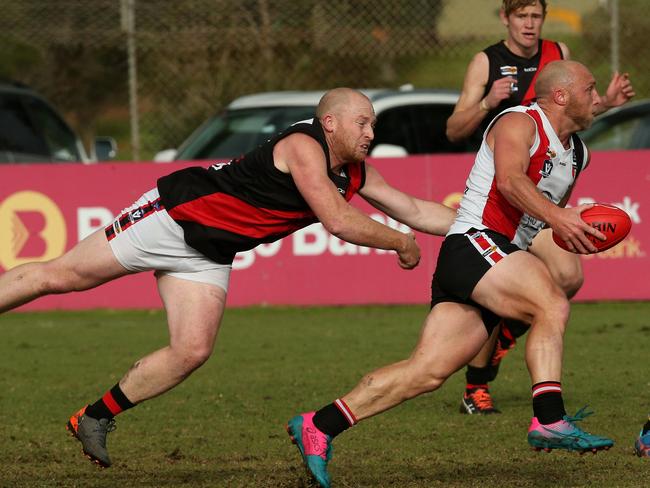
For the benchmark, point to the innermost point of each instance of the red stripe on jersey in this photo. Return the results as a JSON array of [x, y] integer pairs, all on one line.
[[354, 174], [498, 214], [550, 52], [231, 214], [537, 160]]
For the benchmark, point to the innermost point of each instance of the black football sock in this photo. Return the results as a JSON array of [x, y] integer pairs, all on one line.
[[478, 376], [113, 402], [334, 418], [548, 405]]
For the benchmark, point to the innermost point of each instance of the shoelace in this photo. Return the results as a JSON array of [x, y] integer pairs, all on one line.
[[579, 415], [105, 429], [571, 419], [482, 398]]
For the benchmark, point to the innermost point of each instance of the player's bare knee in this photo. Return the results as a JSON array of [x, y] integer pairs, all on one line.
[[570, 282], [554, 310], [194, 356], [425, 380], [47, 278]]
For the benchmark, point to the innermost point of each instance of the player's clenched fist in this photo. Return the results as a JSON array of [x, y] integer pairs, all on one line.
[[409, 255]]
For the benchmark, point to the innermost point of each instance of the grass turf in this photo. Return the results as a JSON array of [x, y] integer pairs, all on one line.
[[224, 426]]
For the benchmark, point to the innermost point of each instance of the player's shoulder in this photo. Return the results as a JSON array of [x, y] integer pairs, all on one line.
[[298, 142], [479, 67], [515, 122]]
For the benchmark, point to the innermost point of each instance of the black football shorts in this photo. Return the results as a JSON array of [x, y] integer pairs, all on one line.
[[462, 262]]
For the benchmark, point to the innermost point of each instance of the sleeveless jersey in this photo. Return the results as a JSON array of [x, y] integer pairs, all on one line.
[[553, 169], [232, 207], [504, 62]]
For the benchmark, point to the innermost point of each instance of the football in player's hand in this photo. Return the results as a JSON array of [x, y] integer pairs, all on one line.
[[611, 221]]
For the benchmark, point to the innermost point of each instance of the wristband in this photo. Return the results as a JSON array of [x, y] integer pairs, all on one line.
[[483, 105]]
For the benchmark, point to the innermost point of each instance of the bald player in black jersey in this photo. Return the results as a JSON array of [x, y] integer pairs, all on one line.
[[502, 76], [189, 228]]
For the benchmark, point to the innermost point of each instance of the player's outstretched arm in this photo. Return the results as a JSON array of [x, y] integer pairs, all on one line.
[[425, 216], [303, 158]]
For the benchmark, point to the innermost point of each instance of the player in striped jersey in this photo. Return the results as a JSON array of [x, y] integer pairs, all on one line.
[[522, 177], [502, 76]]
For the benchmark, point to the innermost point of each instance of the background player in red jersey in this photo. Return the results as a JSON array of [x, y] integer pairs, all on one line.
[[501, 76], [189, 228], [479, 275]]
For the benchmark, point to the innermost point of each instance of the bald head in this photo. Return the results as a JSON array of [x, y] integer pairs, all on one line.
[[337, 99], [558, 75]]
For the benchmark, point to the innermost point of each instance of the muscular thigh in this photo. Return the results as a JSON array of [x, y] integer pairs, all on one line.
[[517, 287], [462, 262], [565, 267], [194, 310], [452, 335], [90, 263]]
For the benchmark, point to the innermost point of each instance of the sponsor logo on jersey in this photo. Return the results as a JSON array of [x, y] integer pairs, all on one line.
[[510, 71], [530, 69]]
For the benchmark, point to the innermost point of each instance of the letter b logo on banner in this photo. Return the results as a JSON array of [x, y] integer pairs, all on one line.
[[32, 229]]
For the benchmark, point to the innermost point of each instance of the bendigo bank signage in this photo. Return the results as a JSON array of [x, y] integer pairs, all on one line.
[[47, 209]]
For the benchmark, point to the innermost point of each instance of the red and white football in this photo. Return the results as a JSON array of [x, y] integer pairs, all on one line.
[[611, 221]]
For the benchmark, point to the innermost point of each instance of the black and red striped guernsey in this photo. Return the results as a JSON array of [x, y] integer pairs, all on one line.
[[504, 62], [232, 207]]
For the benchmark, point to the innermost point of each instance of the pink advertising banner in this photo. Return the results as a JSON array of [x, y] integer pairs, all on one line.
[[47, 209]]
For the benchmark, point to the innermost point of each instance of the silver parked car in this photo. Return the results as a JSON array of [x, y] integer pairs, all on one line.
[[409, 121]]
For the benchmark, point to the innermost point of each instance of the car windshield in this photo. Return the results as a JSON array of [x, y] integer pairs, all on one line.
[[32, 132], [239, 131]]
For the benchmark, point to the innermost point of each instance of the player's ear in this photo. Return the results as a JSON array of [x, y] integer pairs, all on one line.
[[503, 17], [328, 122], [560, 96]]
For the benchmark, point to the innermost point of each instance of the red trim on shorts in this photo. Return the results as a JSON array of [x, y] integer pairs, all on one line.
[[484, 244], [130, 217]]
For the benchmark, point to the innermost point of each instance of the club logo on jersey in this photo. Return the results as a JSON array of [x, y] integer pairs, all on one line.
[[546, 169], [136, 215]]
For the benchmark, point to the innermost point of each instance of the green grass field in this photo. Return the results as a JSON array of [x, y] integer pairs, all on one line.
[[224, 427]]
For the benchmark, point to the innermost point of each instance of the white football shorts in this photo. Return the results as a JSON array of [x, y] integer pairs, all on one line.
[[144, 237]]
